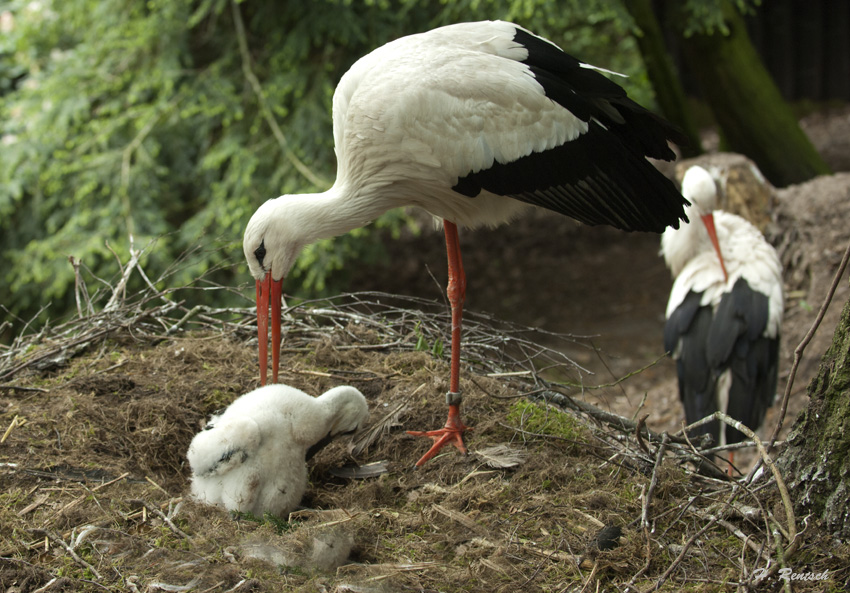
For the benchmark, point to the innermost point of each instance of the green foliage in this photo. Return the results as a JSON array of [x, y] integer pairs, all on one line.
[[422, 345], [137, 120], [706, 16]]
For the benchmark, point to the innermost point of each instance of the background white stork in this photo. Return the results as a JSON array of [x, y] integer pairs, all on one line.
[[471, 122], [252, 457], [724, 314]]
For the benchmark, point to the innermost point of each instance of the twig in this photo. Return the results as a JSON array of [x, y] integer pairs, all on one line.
[[654, 480], [746, 539], [264, 106], [80, 288], [660, 582], [165, 518], [118, 291], [189, 315], [19, 388], [780, 483], [801, 347], [641, 423], [16, 422], [58, 541], [155, 485], [553, 395]]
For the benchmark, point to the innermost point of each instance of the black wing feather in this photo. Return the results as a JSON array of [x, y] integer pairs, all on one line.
[[685, 334], [601, 177], [737, 342]]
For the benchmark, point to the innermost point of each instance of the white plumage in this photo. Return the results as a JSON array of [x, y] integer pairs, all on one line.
[[252, 457], [471, 122], [724, 314]]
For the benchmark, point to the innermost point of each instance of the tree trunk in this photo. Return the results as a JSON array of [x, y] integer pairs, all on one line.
[[816, 460], [753, 117], [668, 90]]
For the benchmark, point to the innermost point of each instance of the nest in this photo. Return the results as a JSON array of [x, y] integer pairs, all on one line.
[[556, 494]]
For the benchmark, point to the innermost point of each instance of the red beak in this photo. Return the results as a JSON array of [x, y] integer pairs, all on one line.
[[269, 291], [708, 221]]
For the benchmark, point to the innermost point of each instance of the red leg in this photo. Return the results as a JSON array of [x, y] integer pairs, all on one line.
[[452, 432]]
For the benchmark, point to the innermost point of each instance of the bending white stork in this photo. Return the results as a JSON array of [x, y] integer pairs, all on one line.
[[471, 122], [252, 457], [724, 313]]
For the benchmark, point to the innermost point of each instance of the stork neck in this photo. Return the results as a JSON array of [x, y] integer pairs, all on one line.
[[332, 213]]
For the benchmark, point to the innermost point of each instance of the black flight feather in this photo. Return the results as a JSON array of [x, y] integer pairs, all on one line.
[[601, 177]]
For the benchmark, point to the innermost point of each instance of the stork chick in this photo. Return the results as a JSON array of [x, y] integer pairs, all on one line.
[[252, 457]]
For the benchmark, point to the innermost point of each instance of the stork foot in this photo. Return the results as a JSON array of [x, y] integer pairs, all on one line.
[[451, 433]]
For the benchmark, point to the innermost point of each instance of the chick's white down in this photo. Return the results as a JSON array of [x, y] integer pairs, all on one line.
[[252, 457]]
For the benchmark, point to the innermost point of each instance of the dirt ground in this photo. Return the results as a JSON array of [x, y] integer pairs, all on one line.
[[95, 483]]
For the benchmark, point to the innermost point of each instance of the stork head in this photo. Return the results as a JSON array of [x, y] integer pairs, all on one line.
[[699, 189], [272, 241], [271, 244]]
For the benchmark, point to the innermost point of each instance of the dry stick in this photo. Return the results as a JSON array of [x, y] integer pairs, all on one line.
[[641, 423], [590, 577], [57, 540], [648, 554], [780, 483], [82, 497], [554, 395], [118, 291], [679, 558], [798, 352], [759, 550], [19, 388], [654, 480], [165, 518], [264, 106], [16, 422], [83, 340], [77, 283], [647, 498]]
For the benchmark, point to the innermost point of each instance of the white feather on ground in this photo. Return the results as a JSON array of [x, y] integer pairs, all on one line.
[[252, 457]]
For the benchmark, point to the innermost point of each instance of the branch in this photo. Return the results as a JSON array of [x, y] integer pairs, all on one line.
[[264, 106], [780, 483], [798, 352], [127, 155], [57, 540]]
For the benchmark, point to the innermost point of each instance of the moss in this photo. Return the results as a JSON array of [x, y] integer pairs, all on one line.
[[540, 419], [817, 460], [218, 399]]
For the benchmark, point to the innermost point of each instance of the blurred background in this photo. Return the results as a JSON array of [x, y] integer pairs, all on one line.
[[161, 126]]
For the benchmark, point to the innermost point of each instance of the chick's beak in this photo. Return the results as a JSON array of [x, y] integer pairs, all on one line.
[[269, 291]]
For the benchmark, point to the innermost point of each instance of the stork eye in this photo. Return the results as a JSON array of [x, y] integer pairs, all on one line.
[[260, 252]]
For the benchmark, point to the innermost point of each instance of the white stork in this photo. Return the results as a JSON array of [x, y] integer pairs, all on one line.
[[252, 457], [724, 313], [471, 122]]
